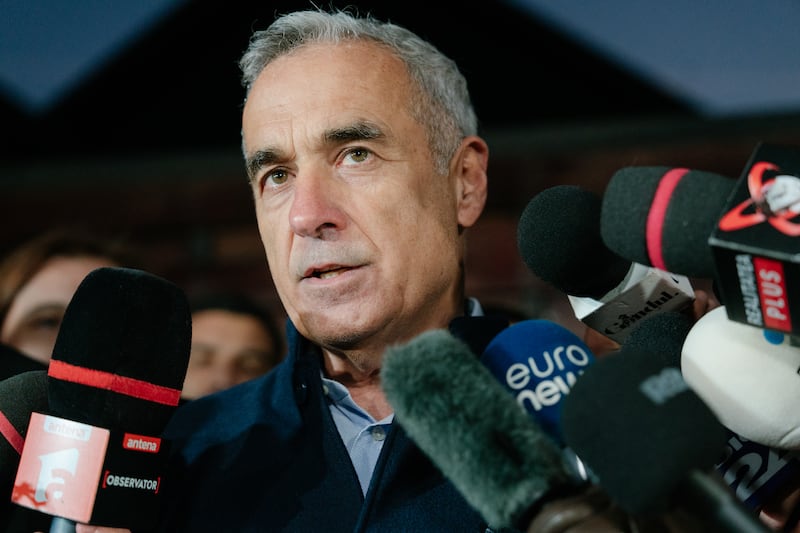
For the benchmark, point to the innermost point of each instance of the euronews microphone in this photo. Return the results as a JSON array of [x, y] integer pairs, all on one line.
[[651, 441], [96, 456], [457, 413], [559, 239], [538, 361]]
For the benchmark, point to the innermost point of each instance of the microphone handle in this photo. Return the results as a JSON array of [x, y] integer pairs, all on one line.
[[62, 525], [577, 467], [706, 497]]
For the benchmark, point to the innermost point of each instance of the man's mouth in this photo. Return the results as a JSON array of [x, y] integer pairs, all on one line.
[[328, 273]]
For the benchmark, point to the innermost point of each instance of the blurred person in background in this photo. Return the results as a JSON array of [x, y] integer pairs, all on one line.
[[38, 279], [234, 339]]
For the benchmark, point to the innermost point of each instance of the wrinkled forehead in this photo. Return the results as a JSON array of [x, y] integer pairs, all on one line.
[[321, 88], [360, 69]]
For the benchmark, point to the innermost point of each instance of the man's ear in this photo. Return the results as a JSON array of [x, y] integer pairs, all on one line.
[[471, 179]]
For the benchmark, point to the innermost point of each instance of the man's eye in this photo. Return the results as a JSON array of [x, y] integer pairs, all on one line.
[[357, 155], [276, 177]]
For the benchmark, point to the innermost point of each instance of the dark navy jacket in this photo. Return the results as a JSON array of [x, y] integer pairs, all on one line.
[[266, 456]]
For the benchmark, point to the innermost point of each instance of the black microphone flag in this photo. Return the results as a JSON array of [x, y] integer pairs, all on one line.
[[96, 456]]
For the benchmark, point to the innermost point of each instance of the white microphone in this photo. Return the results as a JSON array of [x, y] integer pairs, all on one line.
[[747, 376]]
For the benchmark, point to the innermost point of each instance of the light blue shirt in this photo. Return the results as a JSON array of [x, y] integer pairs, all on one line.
[[363, 436]]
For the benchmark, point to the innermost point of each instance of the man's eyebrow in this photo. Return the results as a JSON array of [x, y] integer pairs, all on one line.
[[259, 159], [358, 131]]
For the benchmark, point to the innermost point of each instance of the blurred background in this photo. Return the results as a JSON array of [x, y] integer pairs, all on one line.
[[124, 115]]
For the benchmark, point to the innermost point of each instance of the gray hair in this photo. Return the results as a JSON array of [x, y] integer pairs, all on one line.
[[442, 104]]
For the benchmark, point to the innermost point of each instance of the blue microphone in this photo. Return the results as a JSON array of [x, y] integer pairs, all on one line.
[[538, 362]]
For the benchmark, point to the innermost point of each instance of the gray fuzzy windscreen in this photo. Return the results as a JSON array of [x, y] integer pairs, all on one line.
[[470, 426]]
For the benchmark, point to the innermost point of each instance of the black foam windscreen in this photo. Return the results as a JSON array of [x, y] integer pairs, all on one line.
[[558, 236], [14, 362], [121, 353], [477, 331], [660, 335], [640, 429], [649, 212], [20, 395]]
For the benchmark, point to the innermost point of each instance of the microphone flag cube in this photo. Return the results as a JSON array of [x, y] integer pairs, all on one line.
[[90, 474], [755, 243]]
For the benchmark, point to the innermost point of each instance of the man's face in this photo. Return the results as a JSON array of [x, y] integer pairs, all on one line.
[[360, 232]]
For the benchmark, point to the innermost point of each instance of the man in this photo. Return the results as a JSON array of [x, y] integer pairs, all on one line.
[[361, 147], [360, 144]]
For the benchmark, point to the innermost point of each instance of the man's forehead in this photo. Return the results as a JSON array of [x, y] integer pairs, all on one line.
[[350, 70]]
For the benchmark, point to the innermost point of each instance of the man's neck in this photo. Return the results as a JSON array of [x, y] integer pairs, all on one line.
[[362, 381], [359, 371]]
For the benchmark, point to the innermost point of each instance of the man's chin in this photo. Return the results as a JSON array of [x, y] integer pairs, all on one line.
[[339, 334]]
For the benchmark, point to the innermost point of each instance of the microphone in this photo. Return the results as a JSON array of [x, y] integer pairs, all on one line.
[[653, 442], [559, 235], [758, 474], [747, 376], [117, 369], [538, 362], [502, 463], [14, 362], [740, 233], [477, 331], [20, 395], [661, 336], [662, 217], [755, 241], [754, 472]]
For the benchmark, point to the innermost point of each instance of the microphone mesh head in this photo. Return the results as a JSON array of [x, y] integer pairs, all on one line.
[[121, 353], [640, 429], [558, 235], [20, 395], [13, 362], [660, 335], [692, 211], [470, 426]]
